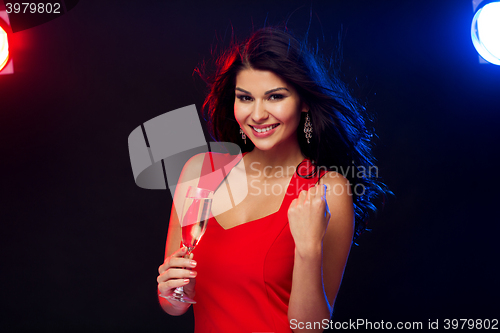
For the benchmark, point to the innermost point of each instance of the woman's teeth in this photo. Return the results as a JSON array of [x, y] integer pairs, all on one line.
[[265, 129]]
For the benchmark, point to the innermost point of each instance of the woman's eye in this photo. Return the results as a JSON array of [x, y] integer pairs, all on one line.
[[275, 97], [244, 98]]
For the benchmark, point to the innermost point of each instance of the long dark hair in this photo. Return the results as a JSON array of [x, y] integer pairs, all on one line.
[[341, 138]]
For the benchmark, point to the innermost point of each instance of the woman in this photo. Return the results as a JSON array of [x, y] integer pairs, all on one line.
[[274, 262]]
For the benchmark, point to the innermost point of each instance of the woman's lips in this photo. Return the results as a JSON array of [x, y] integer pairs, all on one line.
[[265, 133]]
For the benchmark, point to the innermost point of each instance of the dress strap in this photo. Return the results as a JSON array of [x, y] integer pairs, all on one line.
[[321, 173], [308, 170]]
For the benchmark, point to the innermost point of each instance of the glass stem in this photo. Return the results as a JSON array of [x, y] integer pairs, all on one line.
[[179, 291]]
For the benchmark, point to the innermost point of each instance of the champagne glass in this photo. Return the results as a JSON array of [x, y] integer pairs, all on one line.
[[194, 218]]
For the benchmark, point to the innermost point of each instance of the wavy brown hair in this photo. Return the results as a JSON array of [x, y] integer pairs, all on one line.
[[341, 139]]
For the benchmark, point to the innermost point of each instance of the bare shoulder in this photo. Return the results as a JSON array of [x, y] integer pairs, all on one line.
[[339, 198], [193, 167], [336, 184], [197, 160]]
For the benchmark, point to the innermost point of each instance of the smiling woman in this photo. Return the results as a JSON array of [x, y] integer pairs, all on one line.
[[278, 256]]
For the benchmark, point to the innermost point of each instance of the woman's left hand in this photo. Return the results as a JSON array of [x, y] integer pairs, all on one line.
[[308, 217]]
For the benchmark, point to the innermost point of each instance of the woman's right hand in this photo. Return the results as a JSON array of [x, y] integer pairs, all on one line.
[[176, 271]]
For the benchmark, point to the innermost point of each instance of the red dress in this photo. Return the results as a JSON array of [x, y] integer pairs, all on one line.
[[245, 273]]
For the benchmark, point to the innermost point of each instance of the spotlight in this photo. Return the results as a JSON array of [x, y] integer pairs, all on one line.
[[6, 65], [4, 48], [485, 30]]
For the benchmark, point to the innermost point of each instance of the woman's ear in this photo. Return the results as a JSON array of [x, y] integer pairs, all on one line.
[[304, 107]]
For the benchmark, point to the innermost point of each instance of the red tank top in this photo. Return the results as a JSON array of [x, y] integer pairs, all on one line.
[[245, 273]]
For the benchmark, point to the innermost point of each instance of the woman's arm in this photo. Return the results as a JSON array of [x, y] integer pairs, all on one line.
[[322, 225], [175, 270]]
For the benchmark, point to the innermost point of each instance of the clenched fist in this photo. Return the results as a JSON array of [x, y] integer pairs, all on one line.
[[308, 217]]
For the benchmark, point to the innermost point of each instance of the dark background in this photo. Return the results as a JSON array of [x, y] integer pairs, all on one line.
[[81, 243]]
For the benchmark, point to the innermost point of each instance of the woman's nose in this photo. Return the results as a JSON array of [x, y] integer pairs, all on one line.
[[259, 113]]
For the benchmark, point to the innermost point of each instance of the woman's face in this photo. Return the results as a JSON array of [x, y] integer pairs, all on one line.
[[267, 109]]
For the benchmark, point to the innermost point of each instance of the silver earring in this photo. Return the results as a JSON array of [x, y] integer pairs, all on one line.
[[308, 129], [243, 135]]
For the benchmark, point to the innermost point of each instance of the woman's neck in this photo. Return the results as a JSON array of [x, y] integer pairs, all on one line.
[[277, 158]]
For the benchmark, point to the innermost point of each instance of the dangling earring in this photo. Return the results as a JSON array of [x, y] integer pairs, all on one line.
[[308, 128], [243, 135]]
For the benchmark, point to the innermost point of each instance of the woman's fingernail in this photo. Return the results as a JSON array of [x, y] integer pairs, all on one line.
[[192, 273], [186, 280], [192, 263]]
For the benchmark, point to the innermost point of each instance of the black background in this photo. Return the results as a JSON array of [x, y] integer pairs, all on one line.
[[81, 243]]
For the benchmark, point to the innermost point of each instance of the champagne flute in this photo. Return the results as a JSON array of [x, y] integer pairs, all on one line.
[[194, 218]]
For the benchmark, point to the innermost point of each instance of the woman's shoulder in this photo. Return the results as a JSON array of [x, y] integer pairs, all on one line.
[[340, 203], [197, 160], [333, 179], [194, 166]]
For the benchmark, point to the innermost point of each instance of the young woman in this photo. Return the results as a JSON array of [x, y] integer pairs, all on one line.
[[274, 262]]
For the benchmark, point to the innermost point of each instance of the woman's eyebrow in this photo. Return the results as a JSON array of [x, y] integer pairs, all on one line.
[[266, 93], [276, 89], [242, 90]]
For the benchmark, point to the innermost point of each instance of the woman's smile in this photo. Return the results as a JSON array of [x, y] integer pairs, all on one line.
[[264, 131]]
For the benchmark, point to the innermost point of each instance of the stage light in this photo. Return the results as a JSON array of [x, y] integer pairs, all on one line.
[[6, 63], [4, 48], [485, 31]]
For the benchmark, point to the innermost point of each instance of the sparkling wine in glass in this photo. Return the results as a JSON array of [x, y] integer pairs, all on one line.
[[194, 218]]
